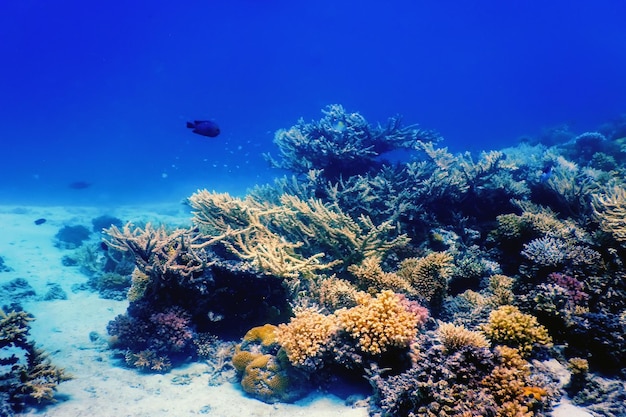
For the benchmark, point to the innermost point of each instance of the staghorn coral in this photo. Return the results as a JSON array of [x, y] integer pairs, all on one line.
[[341, 143], [509, 326], [293, 238], [609, 208], [379, 323], [306, 335], [27, 375], [159, 252]]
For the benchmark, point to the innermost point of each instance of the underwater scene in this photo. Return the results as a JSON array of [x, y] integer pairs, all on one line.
[[278, 209]]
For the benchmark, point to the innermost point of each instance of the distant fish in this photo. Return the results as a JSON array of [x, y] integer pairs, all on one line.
[[40, 221], [79, 185], [204, 128], [546, 173]]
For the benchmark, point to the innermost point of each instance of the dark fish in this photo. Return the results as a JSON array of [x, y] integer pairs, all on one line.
[[79, 185], [204, 128], [104, 246], [40, 221], [546, 173]]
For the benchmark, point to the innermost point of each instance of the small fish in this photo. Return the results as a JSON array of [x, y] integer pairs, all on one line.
[[204, 128], [546, 173], [40, 221], [79, 185]]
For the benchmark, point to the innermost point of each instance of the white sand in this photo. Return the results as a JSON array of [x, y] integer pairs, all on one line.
[[100, 386]]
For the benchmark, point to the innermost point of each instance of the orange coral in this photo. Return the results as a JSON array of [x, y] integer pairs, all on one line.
[[306, 334], [380, 322]]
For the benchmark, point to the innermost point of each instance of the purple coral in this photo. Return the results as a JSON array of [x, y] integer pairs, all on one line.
[[172, 329], [574, 288]]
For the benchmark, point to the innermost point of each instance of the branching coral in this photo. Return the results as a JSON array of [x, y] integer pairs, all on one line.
[[380, 322], [428, 275], [610, 211], [26, 373], [455, 337], [291, 239], [509, 326], [341, 143], [159, 252], [306, 335]]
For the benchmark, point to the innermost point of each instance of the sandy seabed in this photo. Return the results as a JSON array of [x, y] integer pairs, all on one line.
[[101, 386]]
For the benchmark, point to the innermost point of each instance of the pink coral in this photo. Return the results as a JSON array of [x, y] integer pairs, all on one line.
[[573, 287], [172, 327]]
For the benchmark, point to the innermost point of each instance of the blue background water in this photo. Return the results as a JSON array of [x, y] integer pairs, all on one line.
[[101, 91]]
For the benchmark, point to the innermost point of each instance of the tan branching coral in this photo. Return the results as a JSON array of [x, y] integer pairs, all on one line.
[[508, 383], [455, 337], [294, 237], [158, 251], [372, 277], [509, 326], [380, 322], [609, 208], [428, 275], [306, 335]]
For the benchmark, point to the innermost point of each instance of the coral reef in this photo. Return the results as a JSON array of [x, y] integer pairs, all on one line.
[[27, 376], [517, 255]]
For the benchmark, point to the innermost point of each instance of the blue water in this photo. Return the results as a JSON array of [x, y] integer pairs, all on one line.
[[100, 91]]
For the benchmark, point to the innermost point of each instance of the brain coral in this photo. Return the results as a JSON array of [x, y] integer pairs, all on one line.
[[380, 322], [509, 326]]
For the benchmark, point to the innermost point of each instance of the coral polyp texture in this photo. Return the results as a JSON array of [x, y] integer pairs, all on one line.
[[445, 280]]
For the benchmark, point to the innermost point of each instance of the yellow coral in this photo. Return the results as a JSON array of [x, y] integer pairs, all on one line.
[[242, 358], [265, 334], [501, 289], [509, 326], [138, 286], [507, 382], [379, 323], [306, 334], [456, 337], [265, 379]]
